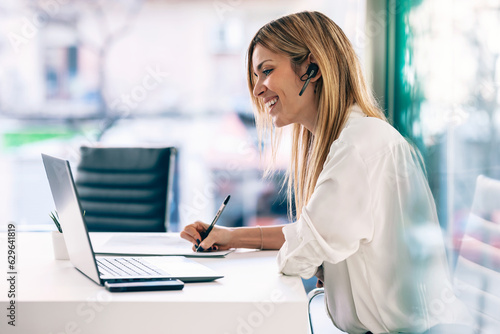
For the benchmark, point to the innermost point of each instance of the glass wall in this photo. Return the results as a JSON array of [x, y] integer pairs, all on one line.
[[446, 96], [141, 73]]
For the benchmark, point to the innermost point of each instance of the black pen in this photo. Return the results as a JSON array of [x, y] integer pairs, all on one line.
[[205, 234]]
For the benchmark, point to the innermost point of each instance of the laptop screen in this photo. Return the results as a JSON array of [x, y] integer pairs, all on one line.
[[68, 208]]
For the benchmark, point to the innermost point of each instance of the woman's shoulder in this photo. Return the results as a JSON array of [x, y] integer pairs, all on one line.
[[369, 136]]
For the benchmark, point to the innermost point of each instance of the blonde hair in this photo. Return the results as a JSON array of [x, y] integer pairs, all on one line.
[[340, 86]]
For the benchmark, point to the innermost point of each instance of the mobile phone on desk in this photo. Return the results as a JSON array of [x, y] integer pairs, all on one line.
[[169, 284]]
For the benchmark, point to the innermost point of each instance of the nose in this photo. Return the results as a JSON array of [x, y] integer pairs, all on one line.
[[259, 89]]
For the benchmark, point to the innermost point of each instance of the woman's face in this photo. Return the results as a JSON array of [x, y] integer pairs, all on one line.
[[277, 84]]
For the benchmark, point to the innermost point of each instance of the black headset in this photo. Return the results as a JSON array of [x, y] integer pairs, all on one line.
[[311, 72]]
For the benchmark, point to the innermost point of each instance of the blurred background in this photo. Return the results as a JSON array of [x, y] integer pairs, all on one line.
[[172, 73]]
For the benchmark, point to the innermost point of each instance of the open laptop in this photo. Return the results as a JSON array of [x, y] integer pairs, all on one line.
[[109, 269]]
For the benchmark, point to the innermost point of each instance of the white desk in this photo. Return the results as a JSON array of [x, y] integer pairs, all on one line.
[[53, 297]]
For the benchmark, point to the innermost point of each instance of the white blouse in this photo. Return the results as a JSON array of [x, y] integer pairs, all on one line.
[[372, 230]]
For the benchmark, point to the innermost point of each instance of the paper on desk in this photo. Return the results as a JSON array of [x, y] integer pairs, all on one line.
[[147, 244]]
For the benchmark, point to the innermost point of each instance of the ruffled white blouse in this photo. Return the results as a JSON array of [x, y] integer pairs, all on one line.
[[372, 230]]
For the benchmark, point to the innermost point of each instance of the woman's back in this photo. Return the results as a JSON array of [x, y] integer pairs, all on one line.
[[397, 279]]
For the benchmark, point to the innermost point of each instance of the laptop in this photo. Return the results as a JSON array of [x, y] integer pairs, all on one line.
[[110, 269]]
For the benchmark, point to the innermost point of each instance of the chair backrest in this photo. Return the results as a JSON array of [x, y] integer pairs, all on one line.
[[126, 189], [477, 275]]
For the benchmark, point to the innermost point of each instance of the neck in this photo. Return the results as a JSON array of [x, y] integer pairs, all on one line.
[[310, 117], [311, 126]]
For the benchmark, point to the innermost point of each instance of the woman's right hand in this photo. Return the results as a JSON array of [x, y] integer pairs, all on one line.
[[220, 238]]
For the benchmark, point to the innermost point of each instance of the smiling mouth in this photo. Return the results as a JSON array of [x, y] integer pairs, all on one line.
[[270, 104]]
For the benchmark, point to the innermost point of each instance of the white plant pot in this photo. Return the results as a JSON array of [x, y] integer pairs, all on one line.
[[60, 250]]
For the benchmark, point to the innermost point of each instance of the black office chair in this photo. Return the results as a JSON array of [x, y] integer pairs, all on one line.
[[126, 189]]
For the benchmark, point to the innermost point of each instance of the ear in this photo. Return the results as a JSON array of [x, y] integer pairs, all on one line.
[[312, 59]]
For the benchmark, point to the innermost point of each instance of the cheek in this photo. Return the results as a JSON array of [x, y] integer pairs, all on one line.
[[285, 83], [294, 85], [285, 91]]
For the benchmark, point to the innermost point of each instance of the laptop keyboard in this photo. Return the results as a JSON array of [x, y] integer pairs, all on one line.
[[127, 267]]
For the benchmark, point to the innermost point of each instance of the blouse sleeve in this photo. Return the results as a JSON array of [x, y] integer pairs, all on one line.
[[336, 219]]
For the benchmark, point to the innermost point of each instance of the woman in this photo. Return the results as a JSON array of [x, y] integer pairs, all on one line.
[[366, 223]]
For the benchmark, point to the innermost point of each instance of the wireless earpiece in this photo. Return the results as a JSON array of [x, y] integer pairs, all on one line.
[[311, 72]]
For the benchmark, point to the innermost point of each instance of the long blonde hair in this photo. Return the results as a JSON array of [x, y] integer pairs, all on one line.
[[340, 86]]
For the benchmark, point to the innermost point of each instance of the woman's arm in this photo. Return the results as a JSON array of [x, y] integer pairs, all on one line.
[[269, 237]]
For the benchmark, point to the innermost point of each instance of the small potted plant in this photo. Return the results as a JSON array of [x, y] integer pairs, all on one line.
[[60, 250]]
